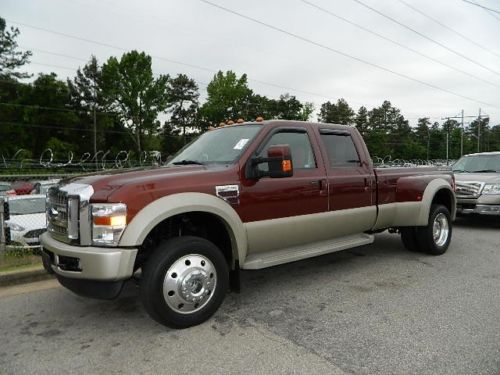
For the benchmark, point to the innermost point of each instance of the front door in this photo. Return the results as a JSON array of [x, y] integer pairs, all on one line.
[[281, 212]]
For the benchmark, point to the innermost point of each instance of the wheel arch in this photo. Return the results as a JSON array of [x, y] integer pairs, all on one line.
[[165, 208], [439, 191]]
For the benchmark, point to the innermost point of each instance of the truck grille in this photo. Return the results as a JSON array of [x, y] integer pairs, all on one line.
[[68, 213], [470, 189], [57, 214]]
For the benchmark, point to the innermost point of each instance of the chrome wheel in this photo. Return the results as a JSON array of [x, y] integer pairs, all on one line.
[[189, 283], [440, 229]]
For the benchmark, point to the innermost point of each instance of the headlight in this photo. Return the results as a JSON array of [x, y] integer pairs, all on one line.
[[108, 223], [491, 189], [15, 227]]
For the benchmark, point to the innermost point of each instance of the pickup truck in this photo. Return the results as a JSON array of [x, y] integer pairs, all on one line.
[[478, 183], [245, 196]]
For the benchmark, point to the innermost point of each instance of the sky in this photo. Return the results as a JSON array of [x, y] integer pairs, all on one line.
[[428, 58]]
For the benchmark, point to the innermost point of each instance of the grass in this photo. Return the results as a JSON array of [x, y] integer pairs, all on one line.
[[17, 258]]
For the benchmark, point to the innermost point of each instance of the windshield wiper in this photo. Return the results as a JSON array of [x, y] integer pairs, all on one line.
[[460, 171], [187, 162], [485, 171]]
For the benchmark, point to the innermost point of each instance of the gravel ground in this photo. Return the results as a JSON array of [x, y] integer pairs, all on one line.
[[377, 309]]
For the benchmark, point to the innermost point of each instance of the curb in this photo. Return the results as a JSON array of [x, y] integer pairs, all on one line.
[[24, 276]]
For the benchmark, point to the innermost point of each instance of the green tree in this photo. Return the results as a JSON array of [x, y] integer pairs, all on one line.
[[288, 107], [361, 120], [10, 57], [86, 96], [183, 102], [228, 98], [131, 91], [307, 111], [422, 137], [336, 113]]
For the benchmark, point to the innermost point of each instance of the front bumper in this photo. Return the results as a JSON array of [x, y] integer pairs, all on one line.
[[87, 262], [484, 205]]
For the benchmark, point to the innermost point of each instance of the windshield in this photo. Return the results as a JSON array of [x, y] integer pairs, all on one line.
[[478, 164], [221, 146], [27, 206]]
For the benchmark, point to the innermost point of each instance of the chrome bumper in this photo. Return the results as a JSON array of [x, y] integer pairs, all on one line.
[[87, 262]]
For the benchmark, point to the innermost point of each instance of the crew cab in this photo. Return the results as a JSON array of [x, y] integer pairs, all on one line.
[[478, 183], [245, 196]]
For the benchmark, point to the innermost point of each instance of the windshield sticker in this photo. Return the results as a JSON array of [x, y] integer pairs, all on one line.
[[241, 143]]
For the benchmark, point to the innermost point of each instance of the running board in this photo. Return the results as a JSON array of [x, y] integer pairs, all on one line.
[[292, 254]]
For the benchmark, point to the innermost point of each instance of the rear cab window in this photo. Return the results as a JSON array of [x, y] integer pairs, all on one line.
[[340, 149]]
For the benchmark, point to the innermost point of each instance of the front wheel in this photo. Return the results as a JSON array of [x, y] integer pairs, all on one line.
[[435, 237], [184, 282]]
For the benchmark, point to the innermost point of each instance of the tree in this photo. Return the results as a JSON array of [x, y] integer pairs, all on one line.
[[307, 111], [10, 57], [134, 94], [86, 95], [361, 120], [336, 113], [183, 101], [228, 98], [422, 137]]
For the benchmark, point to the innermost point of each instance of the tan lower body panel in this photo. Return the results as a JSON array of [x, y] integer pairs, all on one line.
[[287, 255], [283, 233]]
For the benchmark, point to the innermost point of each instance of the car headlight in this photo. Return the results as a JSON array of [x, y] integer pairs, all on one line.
[[491, 189], [108, 223], [15, 227]]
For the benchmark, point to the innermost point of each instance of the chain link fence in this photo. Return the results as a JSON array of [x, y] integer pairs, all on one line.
[[22, 217]]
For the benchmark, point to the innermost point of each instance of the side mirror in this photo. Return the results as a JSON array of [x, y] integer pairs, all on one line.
[[279, 161]]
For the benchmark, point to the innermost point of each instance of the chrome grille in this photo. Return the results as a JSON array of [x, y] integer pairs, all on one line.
[[57, 213], [469, 189]]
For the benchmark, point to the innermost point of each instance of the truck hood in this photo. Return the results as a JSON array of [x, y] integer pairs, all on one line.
[[479, 177], [106, 183]]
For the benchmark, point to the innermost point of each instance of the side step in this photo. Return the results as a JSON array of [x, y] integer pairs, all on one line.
[[292, 254]]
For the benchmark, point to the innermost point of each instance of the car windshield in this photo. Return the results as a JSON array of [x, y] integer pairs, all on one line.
[[27, 206], [220, 146], [478, 164]]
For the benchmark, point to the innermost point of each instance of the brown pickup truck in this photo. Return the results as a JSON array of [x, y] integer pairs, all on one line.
[[245, 196]]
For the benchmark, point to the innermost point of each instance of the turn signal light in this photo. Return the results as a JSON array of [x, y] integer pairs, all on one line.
[[113, 221], [286, 165]]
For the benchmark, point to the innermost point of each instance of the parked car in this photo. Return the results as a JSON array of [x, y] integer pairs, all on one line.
[[42, 187], [478, 183], [22, 187], [27, 220], [6, 189]]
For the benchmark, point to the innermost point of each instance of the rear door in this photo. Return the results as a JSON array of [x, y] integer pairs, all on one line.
[[351, 183]]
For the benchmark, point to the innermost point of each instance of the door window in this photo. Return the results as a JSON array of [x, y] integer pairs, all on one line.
[[340, 149], [300, 146]]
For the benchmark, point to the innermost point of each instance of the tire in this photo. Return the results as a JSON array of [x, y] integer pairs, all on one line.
[[184, 282], [435, 237], [409, 238]]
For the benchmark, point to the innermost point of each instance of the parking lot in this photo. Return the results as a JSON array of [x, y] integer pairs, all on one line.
[[377, 309]]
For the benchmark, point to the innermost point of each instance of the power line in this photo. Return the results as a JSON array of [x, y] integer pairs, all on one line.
[[34, 106], [482, 6], [449, 28], [397, 43], [426, 37], [199, 67], [304, 39], [30, 125]]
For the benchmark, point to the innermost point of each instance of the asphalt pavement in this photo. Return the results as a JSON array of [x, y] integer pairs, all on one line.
[[377, 309]]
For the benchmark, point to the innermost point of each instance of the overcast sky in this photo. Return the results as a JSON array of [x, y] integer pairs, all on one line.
[[312, 64]]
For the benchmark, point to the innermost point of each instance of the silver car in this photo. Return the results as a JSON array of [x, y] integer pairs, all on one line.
[[478, 183], [27, 220]]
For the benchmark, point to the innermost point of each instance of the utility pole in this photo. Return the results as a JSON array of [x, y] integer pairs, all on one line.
[[95, 129], [462, 136], [479, 131]]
